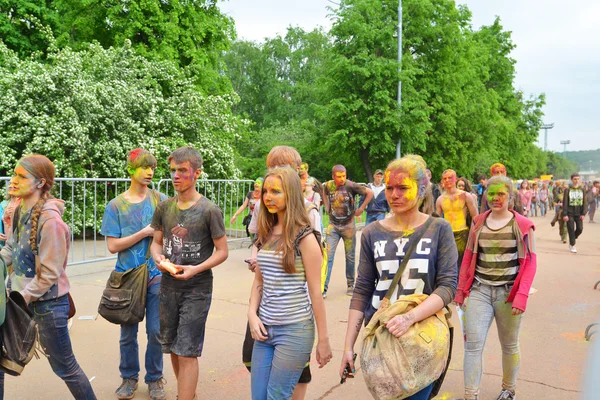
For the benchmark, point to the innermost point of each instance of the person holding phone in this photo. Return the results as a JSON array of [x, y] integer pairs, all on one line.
[[432, 268]]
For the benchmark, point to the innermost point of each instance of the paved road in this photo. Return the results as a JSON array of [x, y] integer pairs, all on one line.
[[552, 338]]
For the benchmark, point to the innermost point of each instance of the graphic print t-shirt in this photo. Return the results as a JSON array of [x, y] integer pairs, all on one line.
[[432, 267], [341, 201], [188, 236]]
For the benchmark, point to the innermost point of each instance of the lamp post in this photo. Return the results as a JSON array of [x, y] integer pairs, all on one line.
[[546, 127], [565, 143], [399, 144]]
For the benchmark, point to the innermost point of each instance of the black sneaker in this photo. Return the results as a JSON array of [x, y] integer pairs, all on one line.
[[127, 389], [350, 290], [507, 395]]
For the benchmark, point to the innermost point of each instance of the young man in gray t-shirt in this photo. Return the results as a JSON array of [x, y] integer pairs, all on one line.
[[188, 227]]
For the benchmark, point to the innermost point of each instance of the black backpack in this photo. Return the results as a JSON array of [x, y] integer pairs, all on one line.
[[19, 335]]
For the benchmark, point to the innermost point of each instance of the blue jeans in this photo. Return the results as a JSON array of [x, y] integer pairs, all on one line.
[[423, 394], [485, 304], [372, 217], [543, 206], [334, 234], [130, 361], [51, 316], [277, 363]]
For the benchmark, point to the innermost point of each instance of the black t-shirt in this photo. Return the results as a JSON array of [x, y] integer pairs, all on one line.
[[188, 236]]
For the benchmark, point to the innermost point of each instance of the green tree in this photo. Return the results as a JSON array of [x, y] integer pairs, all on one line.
[[459, 105], [20, 23], [85, 110]]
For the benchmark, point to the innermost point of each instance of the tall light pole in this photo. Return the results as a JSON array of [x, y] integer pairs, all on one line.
[[399, 144], [565, 143], [546, 127]]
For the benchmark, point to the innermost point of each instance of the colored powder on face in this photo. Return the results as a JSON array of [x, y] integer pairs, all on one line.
[[411, 193], [498, 191]]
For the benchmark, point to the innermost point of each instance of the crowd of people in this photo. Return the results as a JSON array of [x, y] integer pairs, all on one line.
[[452, 242]]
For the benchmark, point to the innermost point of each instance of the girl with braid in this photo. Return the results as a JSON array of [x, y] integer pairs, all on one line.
[[39, 231]]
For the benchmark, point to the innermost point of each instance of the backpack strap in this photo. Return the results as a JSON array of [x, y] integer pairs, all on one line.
[[413, 241]]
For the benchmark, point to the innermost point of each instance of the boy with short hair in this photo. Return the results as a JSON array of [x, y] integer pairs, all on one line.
[[126, 225], [188, 227]]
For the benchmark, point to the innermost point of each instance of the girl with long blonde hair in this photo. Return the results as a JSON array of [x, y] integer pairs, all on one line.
[[286, 299]]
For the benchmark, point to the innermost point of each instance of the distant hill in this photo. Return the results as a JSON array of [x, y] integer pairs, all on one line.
[[583, 158]]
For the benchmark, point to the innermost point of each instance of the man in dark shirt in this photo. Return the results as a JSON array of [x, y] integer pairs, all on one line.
[[188, 227], [574, 208], [339, 199]]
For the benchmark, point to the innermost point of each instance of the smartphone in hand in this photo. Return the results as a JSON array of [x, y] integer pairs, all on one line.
[[347, 373]]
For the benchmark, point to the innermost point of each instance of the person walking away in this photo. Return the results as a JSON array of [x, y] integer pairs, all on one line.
[[339, 203], [126, 226], [187, 228], [378, 206], [574, 208], [496, 275], [431, 270], [285, 300], [38, 251]]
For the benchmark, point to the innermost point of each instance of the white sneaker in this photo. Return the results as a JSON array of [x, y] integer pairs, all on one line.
[[573, 249]]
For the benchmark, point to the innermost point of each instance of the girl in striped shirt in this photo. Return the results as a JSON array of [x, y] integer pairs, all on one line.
[[286, 300], [496, 274]]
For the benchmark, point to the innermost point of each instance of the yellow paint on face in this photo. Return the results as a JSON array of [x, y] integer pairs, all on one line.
[[339, 178], [411, 193], [273, 194], [401, 191]]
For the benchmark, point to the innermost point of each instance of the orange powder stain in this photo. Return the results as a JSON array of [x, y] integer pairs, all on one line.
[[574, 336]]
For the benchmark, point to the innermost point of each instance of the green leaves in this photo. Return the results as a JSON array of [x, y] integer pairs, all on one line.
[[86, 109]]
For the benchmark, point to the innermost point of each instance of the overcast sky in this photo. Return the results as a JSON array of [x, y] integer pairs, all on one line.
[[558, 51]]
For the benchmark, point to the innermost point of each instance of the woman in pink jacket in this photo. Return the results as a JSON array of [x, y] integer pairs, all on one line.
[[496, 274]]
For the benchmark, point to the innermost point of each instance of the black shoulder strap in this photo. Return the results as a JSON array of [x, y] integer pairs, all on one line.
[[414, 240]]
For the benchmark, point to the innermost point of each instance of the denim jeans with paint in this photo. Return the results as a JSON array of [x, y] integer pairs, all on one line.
[[51, 316], [372, 217], [543, 205], [348, 234], [277, 363], [129, 365], [485, 304]]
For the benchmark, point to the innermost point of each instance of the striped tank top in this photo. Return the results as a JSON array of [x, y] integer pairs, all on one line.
[[498, 256], [285, 298]]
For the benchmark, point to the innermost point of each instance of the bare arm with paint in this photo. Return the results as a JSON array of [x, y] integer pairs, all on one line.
[[312, 259], [156, 249], [368, 198], [240, 210], [355, 321], [116, 245], [257, 328], [438, 206]]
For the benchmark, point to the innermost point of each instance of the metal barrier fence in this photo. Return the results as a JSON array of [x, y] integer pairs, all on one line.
[[86, 198]]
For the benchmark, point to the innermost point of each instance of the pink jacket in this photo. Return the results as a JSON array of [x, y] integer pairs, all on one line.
[[527, 262]]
